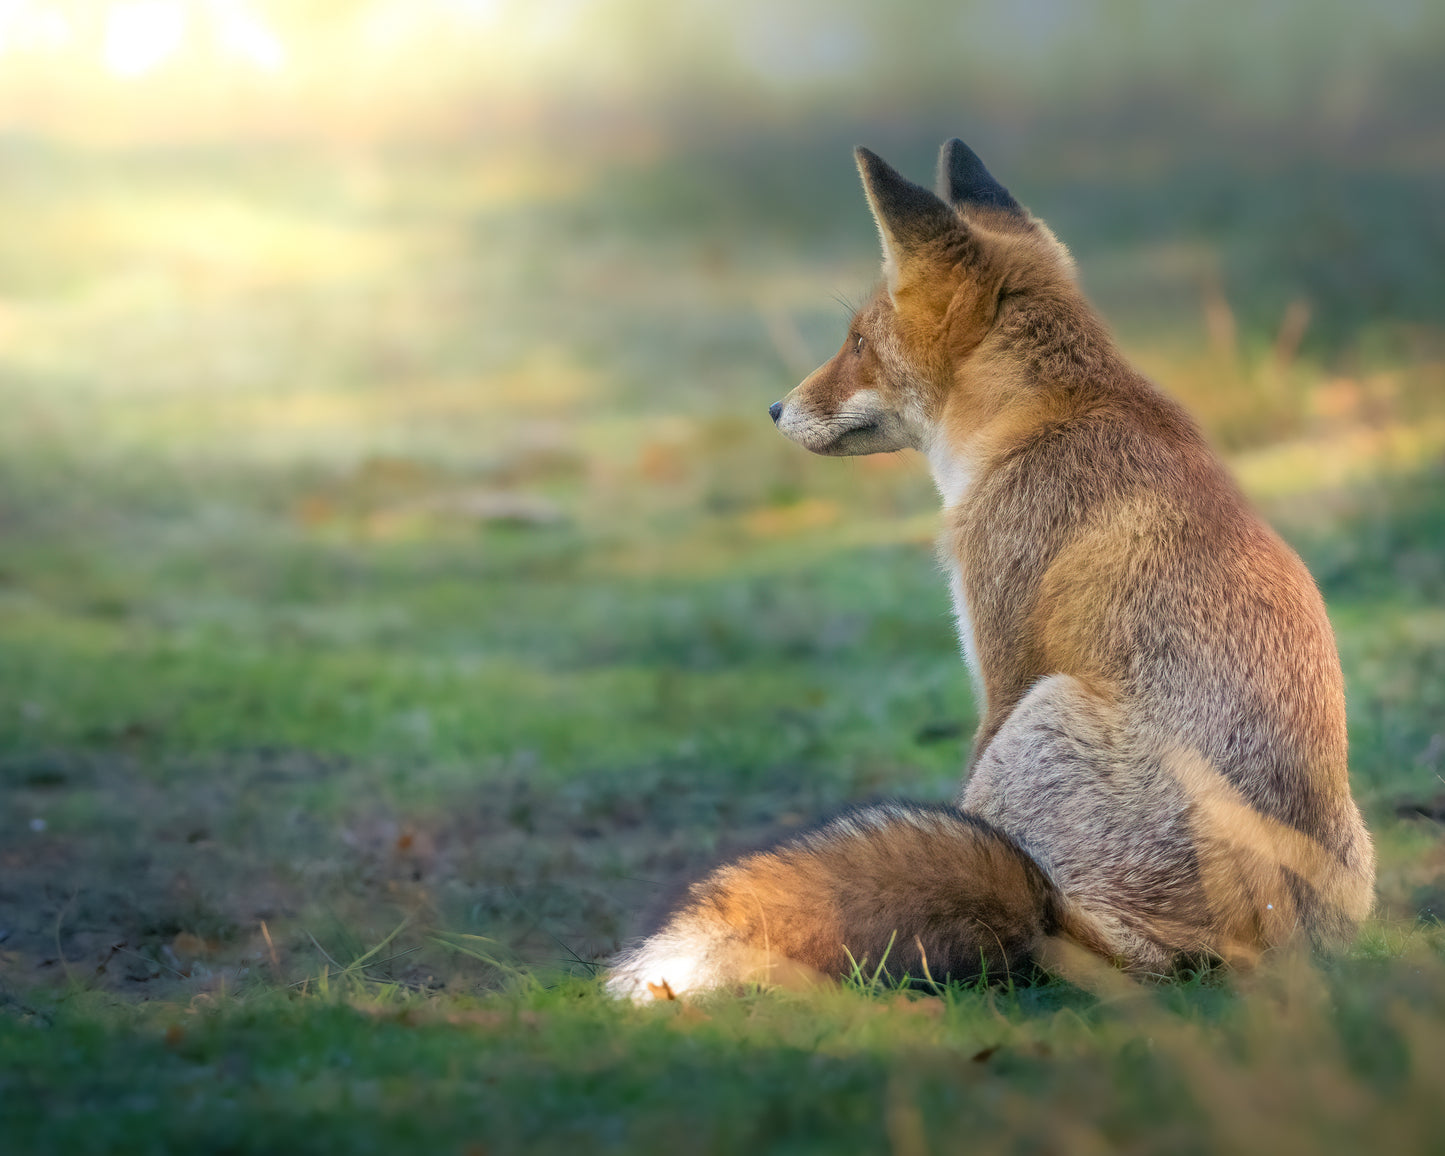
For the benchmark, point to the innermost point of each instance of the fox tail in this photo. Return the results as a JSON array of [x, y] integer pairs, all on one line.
[[928, 892]]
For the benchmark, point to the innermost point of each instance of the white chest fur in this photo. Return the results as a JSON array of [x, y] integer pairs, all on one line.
[[965, 635], [952, 472]]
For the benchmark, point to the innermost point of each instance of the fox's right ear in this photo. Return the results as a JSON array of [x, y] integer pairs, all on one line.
[[908, 215], [963, 180]]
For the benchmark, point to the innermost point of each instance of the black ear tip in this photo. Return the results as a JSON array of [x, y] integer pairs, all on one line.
[[907, 211], [964, 179], [956, 156]]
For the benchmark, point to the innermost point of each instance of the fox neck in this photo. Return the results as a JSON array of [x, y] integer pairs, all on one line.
[[1010, 401], [971, 420], [1019, 380], [952, 467]]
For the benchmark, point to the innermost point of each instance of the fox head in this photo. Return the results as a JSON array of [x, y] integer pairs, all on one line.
[[917, 356]]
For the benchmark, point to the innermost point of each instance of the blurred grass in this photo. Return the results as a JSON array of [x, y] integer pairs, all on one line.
[[558, 1069], [400, 536]]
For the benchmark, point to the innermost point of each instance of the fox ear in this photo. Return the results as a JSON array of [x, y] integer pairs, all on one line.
[[962, 180], [908, 215]]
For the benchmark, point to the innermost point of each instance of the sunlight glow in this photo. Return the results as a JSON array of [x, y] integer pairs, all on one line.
[[141, 36], [31, 27], [240, 33], [134, 38]]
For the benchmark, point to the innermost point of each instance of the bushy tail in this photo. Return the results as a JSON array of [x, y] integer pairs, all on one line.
[[918, 890]]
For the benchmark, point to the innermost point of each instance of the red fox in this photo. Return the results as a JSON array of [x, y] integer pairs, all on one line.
[[1159, 775]]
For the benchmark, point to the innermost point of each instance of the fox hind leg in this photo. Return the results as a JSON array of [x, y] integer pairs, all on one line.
[[1105, 818]]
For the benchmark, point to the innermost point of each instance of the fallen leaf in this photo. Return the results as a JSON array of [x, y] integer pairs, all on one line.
[[186, 945]]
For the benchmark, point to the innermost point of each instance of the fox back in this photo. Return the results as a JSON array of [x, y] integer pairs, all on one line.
[[1163, 720]]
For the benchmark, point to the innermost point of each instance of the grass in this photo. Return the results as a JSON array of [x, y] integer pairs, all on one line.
[[402, 592], [1303, 1061]]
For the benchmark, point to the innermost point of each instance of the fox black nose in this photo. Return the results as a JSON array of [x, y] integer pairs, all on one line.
[[776, 409]]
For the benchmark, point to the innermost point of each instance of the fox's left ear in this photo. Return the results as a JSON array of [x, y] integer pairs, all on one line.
[[908, 215]]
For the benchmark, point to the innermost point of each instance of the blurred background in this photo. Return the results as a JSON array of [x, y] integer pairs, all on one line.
[[392, 527]]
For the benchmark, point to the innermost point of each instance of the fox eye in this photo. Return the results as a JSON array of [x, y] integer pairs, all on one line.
[[858, 348]]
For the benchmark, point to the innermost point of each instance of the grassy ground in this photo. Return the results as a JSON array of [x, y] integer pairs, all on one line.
[[402, 589]]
